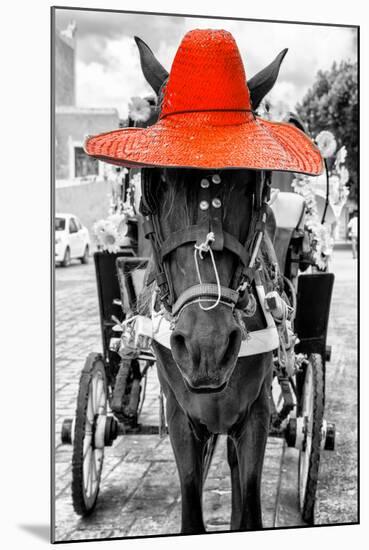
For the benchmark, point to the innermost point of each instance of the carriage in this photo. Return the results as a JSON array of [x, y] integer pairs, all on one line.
[[112, 383], [282, 356]]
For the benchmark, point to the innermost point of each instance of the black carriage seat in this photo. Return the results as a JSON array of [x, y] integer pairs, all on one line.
[[131, 276], [285, 215]]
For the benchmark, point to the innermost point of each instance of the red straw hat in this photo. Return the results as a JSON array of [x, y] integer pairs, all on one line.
[[206, 119]]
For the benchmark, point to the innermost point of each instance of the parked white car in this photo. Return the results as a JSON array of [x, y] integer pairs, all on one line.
[[72, 240]]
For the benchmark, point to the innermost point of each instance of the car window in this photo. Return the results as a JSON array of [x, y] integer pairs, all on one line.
[[59, 224], [72, 226], [78, 224]]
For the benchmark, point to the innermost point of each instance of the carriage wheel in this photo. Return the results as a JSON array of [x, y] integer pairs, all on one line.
[[312, 412], [88, 450]]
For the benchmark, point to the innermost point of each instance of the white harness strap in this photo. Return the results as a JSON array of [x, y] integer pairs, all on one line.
[[199, 250], [258, 341]]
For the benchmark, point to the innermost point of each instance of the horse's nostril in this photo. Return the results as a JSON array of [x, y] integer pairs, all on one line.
[[178, 341], [234, 341], [178, 344]]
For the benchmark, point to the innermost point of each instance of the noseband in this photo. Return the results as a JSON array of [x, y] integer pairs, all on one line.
[[207, 237]]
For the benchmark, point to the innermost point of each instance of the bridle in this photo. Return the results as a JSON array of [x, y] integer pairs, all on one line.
[[207, 236]]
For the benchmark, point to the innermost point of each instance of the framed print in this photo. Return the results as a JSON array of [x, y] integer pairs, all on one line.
[[205, 265]]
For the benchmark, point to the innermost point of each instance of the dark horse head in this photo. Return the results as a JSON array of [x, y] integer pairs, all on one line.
[[206, 338]]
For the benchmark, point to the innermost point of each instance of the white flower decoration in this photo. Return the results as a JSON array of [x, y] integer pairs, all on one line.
[[120, 223], [106, 235], [326, 143], [334, 189], [344, 175], [341, 155], [139, 109]]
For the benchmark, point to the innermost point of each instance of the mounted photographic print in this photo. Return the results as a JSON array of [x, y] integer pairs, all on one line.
[[206, 248]]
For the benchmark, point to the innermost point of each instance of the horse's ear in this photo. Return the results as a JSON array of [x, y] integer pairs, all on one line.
[[153, 71], [261, 83]]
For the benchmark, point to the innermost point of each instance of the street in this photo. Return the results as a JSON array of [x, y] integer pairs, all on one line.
[[140, 493], [337, 491]]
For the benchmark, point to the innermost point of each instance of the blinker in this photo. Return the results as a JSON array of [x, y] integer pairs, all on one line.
[[216, 179], [217, 203], [204, 183], [204, 205]]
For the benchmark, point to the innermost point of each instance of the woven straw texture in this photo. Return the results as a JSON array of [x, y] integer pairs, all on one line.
[[214, 127]]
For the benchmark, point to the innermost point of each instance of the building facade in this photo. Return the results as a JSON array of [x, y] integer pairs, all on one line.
[[65, 90], [81, 183], [72, 124]]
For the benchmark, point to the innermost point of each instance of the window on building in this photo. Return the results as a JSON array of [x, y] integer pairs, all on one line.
[[84, 165]]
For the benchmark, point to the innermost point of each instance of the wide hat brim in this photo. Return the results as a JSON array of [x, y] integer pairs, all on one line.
[[210, 141]]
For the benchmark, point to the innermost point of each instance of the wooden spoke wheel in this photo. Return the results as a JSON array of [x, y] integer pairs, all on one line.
[[312, 412], [88, 449]]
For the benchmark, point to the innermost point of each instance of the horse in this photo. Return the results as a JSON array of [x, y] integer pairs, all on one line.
[[209, 389]]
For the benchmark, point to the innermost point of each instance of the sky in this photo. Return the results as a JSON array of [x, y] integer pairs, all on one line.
[[108, 71]]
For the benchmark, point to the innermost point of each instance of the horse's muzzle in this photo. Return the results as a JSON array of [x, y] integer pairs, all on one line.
[[205, 346]]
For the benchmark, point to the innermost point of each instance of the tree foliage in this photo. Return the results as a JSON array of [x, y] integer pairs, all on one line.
[[332, 104]]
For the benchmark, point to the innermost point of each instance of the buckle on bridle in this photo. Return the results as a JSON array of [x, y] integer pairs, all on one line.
[[204, 247]]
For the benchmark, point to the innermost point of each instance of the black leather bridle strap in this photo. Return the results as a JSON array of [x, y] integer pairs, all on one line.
[[203, 291], [193, 233], [262, 190], [216, 224], [197, 234]]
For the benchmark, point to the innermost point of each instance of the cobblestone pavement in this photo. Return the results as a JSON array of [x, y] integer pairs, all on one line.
[[139, 492]]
